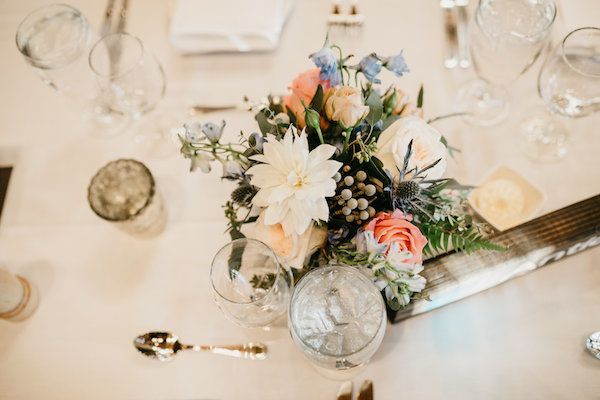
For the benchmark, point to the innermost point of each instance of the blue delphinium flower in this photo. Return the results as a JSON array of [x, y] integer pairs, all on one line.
[[327, 62], [396, 64], [370, 66]]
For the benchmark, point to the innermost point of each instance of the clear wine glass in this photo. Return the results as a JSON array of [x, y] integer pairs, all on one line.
[[249, 284], [569, 85], [55, 41], [130, 79], [507, 37], [337, 318]]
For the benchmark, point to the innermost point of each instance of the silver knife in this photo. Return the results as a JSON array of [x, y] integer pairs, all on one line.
[[462, 11]]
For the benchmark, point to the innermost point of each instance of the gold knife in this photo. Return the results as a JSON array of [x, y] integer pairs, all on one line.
[[366, 391], [345, 392]]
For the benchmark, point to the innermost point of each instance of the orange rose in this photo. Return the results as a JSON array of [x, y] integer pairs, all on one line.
[[303, 89], [396, 228]]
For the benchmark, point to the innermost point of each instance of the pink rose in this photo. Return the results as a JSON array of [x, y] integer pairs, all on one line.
[[303, 88], [396, 228]]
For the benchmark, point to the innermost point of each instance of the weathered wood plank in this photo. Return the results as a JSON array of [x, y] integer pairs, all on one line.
[[532, 245]]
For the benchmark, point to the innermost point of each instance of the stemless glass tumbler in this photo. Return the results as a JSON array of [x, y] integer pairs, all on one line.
[[337, 318], [124, 192], [249, 284], [569, 85], [507, 37]]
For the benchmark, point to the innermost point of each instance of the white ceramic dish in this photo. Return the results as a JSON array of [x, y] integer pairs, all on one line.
[[504, 181]]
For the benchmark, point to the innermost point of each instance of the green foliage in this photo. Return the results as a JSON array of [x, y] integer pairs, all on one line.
[[317, 101], [445, 235], [375, 108], [420, 98]]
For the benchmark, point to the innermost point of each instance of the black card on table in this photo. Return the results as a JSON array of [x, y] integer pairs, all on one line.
[[4, 178]]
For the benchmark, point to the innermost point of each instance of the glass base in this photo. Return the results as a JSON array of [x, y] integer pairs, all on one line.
[[340, 374], [484, 103], [156, 134], [543, 138]]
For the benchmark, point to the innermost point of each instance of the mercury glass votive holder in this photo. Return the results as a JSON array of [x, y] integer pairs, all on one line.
[[124, 193]]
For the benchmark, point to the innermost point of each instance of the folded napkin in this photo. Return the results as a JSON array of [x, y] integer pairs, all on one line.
[[207, 26]]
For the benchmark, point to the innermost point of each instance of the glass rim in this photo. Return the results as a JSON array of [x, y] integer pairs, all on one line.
[[18, 34], [564, 56], [129, 68], [552, 3], [138, 212], [356, 272], [279, 267]]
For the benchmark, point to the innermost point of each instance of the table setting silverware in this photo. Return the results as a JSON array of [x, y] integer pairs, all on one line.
[[164, 345], [450, 33], [365, 392], [462, 33]]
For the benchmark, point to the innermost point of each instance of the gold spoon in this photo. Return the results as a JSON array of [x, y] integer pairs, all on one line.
[[164, 345]]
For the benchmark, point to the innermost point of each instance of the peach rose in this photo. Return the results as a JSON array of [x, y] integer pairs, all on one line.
[[396, 228], [404, 107], [303, 88], [293, 250]]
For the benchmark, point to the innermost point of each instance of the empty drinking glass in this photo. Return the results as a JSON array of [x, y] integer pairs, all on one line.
[[337, 318], [124, 192], [131, 80], [55, 40], [569, 84], [250, 286], [507, 36]]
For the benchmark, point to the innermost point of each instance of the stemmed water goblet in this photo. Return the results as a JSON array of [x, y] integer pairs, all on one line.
[[131, 81], [569, 85], [507, 36], [55, 40]]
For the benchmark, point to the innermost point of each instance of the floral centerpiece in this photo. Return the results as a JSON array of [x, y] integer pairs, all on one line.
[[343, 169]]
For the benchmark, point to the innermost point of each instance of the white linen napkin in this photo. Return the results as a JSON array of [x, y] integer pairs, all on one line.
[[208, 26]]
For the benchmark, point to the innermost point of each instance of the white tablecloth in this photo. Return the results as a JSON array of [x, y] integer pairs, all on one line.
[[99, 287]]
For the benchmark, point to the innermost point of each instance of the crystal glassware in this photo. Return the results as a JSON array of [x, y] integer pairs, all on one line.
[[507, 37], [124, 192], [569, 85], [131, 80], [337, 318], [55, 40], [249, 284]]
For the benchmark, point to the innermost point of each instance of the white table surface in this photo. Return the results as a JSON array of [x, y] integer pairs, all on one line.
[[99, 287]]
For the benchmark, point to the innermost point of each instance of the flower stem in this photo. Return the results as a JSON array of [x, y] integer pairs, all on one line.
[[347, 141], [341, 61]]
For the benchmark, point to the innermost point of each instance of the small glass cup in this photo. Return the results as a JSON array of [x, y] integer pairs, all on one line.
[[18, 297], [337, 318], [250, 286], [124, 192]]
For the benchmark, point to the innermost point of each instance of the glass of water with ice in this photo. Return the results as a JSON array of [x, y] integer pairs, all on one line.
[[249, 284], [337, 318], [569, 84]]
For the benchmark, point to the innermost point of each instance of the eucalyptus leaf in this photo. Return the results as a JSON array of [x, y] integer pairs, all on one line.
[[375, 108], [389, 121]]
